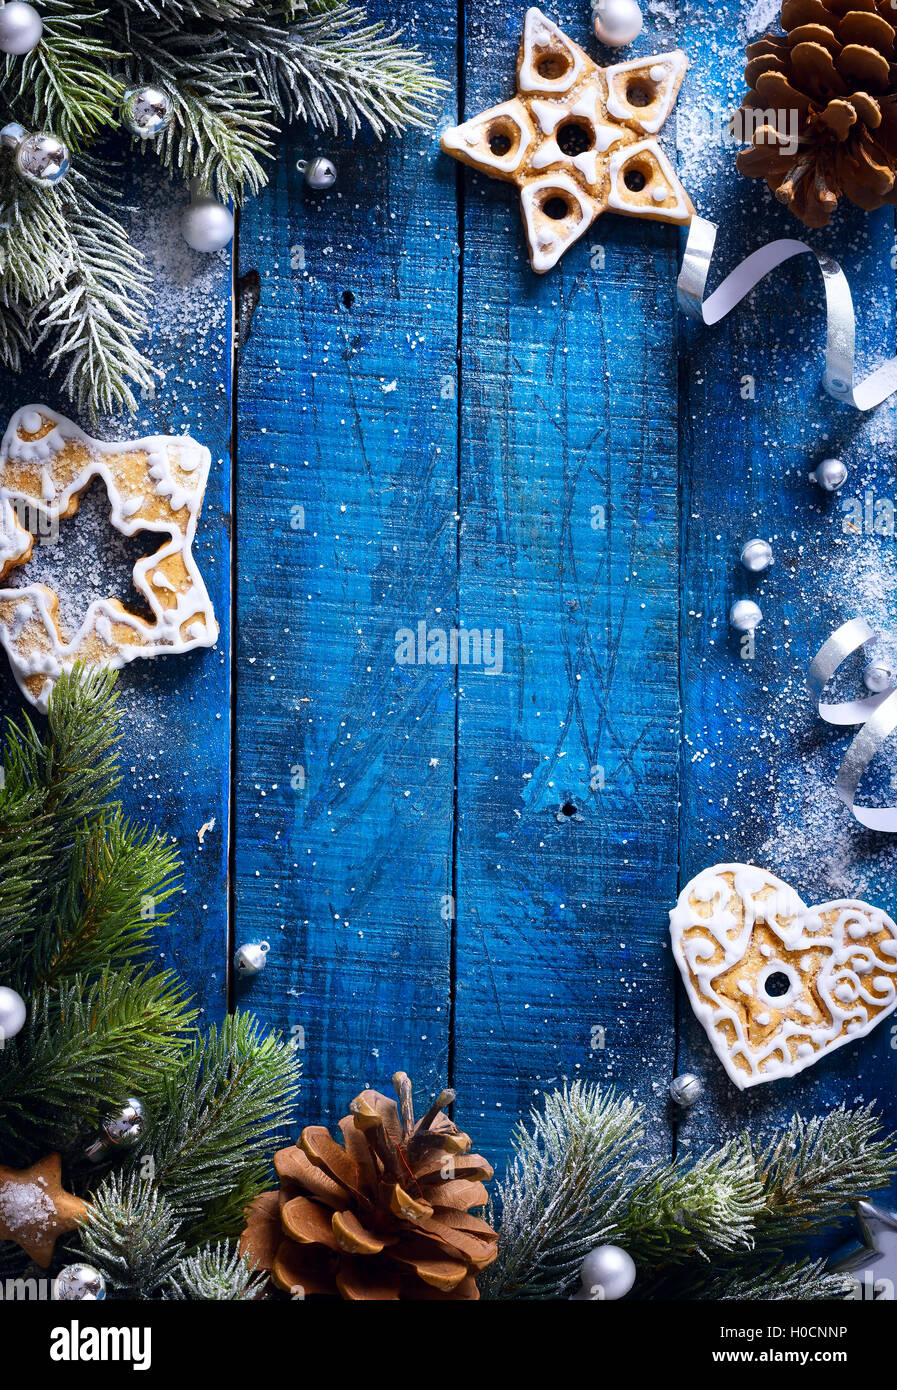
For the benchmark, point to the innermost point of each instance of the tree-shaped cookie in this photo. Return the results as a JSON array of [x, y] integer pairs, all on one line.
[[578, 139], [156, 485]]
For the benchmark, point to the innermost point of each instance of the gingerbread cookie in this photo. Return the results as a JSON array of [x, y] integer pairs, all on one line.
[[776, 984], [578, 139], [155, 484]]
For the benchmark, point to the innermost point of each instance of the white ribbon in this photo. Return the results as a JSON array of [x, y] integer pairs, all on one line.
[[840, 351], [877, 714]]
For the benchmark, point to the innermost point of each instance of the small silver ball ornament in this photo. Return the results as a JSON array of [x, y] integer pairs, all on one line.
[[207, 225], [686, 1089], [756, 555], [42, 159], [12, 1013], [319, 173], [878, 679], [607, 1273], [251, 957], [20, 28], [79, 1283], [146, 111], [745, 615], [120, 1130], [617, 22], [831, 475]]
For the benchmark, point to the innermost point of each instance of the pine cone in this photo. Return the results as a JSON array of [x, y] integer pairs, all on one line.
[[386, 1216], [822, 109]]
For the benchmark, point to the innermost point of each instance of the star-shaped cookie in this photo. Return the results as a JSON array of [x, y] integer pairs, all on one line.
[[578, 139], [35, 1210]]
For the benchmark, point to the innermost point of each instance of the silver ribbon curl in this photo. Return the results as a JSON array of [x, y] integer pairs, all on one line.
[[877, 714], [840, 350]]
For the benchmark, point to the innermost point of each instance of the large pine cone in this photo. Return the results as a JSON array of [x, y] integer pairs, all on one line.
[[386, 1216], [828, 94]]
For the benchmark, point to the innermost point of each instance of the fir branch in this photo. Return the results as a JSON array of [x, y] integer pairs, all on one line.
[[131, 1235], [212, 1129], [216, 1273], [770, 1282], [564, 1192], [65, 84], [700, 1211]]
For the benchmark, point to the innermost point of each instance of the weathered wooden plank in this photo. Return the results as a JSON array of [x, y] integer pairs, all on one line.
[[347, 534], [758, 766], [175, 749], [567, 760]]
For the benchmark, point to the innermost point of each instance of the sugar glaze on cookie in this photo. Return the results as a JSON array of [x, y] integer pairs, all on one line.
[[776, 984], [154, 484]]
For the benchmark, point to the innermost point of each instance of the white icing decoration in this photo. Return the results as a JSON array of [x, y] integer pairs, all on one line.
[[622, 200], [32, 421], [547, 241], [472, 138], [710, 950], [539, 34], [587, 164], [549, 115], [672, 68], [27, 628], [548, 153]]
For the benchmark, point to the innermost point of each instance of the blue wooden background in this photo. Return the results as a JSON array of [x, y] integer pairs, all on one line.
[[462, 874]]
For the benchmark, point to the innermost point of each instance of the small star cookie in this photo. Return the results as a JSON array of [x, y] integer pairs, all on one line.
[[35, 1210], [578, 139]]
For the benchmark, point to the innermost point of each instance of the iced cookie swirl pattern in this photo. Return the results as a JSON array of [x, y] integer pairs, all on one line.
[[154, 484], [776, 984]]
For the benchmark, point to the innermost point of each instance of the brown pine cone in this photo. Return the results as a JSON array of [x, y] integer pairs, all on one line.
[[822, 107], [384, 1217]]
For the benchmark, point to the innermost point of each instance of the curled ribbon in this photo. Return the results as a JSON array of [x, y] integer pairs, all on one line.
[[840, 350], [877, 714]]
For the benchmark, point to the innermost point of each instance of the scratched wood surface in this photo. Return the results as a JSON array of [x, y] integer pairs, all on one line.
[[467, 873]]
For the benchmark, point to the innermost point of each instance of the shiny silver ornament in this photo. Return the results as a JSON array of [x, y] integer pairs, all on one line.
[[873, 1262], [207, 225], [12, 1013], [20, 28], [617, 22], [745, 615], [756, 555], [878, 679], [42, 159], [121, 1130], [607, 1274], [686, 1089], [146, 111], [319, 173], [79, 1283], [251, 958], [831, 475]]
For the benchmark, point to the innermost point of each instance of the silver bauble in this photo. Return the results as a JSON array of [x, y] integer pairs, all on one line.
[[617, 22], [125, 1127], [207, 226], [146, 111], [878, 679], [319, 173], [831, 475], [686, 1089], [42, 159], [251, 958], [79, 1283], [12, 1013], [607, 1274], [745, 615], [20, 27], [756, 555]]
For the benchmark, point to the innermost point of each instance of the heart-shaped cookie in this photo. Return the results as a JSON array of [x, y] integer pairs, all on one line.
[[777, 984]]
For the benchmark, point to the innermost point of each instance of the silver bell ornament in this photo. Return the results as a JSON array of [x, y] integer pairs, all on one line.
[[756, 555], [12, 1013], [146, 111], [207, 225], [251, 958], [79, 1283], [319, 173], [20, 28], [40, 159], [745, 615], [878, 679], [831, 475], [617, 22], [607, 1273], [120, 1130], [686, 1089]]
